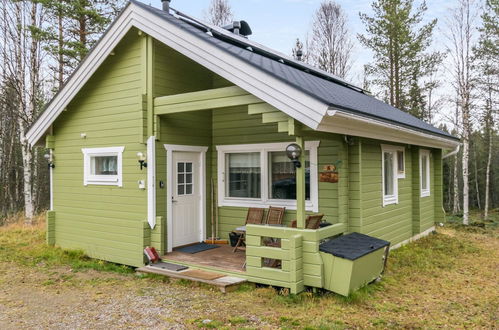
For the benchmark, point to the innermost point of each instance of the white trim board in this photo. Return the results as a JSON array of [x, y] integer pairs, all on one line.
[[170, 148], [151, 181], [341, 122]]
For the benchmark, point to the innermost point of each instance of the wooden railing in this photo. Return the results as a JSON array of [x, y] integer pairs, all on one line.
[[301, 263]]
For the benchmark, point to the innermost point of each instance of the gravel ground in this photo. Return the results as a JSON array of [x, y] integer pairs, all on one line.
[[61, 299]]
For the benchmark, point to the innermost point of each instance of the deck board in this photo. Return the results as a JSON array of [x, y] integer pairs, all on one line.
[[221, 257]]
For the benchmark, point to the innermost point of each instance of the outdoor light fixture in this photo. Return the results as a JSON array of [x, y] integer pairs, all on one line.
[[293, 151], [142, 160], [50, 160]]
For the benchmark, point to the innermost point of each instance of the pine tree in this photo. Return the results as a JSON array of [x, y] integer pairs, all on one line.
[[401, 56]]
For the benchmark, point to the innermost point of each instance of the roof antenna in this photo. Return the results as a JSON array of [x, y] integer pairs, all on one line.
[[166, 5]]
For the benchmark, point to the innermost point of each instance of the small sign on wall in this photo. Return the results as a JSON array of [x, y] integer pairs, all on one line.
[[329, 174]]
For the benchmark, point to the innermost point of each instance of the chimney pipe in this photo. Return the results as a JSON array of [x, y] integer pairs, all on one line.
[[166, 5]]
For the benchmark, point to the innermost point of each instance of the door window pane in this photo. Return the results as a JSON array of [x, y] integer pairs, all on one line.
[[388, 173], [282, 176], [184, 178], [104, 165], [243, 175]]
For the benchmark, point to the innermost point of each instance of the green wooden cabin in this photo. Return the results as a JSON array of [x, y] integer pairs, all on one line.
[[209, 113]]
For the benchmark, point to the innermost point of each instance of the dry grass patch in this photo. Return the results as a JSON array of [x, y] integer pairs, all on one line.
[[448, 279]]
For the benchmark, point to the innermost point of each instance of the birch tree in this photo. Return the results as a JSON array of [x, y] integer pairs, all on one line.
[[331, 46], [461, 33], [23, 18], [219, 13]]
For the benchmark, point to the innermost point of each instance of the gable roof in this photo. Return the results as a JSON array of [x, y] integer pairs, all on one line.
[[305, 93]]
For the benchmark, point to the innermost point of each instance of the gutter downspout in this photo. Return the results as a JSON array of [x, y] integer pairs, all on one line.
[[453, 152]]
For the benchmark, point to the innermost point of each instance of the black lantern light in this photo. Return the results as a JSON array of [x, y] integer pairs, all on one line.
[[293, 151], [50, 160], [142, 160]]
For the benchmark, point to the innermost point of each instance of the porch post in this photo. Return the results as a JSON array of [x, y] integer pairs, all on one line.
[[300, 186]]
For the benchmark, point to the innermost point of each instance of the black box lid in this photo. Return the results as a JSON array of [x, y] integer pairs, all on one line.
[[352, 246]]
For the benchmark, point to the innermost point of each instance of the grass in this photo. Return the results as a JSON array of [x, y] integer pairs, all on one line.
[[448, 279], [25, 244]]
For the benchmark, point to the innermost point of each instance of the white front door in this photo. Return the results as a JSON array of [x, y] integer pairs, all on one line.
[[186, 197]]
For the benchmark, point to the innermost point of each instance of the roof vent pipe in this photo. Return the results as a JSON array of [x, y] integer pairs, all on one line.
[[166, 5], [236, 26], [299, 54]]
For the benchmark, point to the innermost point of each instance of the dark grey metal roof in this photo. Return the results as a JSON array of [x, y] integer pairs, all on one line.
[[326, 88]]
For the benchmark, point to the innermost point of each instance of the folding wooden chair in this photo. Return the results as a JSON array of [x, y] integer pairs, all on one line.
[[311, 222], [254, 217], [275, 215]]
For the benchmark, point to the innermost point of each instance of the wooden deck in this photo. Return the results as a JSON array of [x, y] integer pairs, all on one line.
[[222, 258], [223, 282]]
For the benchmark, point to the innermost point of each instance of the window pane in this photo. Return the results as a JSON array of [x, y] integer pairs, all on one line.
[[180, 167], [400, 161], [180, 178], [243, 175], [188, 189], [188, 167], [282, 176], [104, 165], [424, 174], [188, 178], [180, 190], [388, 164]]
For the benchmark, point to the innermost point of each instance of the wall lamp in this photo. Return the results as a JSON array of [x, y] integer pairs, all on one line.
[[50, 160], [142, 160], [293, 151]]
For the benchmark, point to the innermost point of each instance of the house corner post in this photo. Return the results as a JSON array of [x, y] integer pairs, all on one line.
[[300, 185]]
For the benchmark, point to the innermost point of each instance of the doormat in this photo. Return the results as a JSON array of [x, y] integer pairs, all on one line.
[[202, 275], [169, 266], [197, 248]]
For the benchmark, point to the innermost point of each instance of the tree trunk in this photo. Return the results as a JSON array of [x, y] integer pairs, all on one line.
[[476, 179], [456, 205], [466, 187]]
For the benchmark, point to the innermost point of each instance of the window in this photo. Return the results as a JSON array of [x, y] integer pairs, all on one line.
[[424, 172], [401, 164], [282, 176], [243, 175], [393, 168], [184, 178], [261, 175], [102, 166]]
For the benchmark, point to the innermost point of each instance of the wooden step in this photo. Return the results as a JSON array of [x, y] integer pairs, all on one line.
[[224, 283]]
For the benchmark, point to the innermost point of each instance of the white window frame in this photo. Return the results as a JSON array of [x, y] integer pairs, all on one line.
[[265, 200], [391, 199], [427, 153], [103, 180]]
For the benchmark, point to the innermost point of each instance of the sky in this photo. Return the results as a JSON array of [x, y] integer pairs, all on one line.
[[277, 23]]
